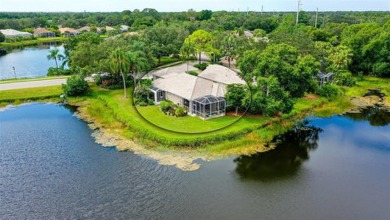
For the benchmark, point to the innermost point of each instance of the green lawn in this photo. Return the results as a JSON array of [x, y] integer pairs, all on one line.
[[188, 124], [30, 93], [123, 111], [369, 83]]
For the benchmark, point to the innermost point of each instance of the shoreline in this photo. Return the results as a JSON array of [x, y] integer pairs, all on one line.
[[114, 132], [182, 158]]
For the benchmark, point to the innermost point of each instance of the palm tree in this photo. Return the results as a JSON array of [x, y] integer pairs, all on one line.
[[64, 59], [229, 47], [120, 64], [53, 55], [187, 51], [137, 62]]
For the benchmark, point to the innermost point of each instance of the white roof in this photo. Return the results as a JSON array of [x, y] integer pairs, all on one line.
[[221, 74], [14, 33], [181, 85], [67, 29], [211, 81], [248, 34], [124, 27], [109, 28], [189, 87]]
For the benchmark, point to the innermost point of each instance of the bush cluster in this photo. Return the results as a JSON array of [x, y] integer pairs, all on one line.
[[193, 73], [75, 86], [329, 91], [170, 108], [201, 66], [345, 79], [110, 81], [53, 71]]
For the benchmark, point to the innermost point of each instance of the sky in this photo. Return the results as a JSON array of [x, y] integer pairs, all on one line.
[[184, 5]]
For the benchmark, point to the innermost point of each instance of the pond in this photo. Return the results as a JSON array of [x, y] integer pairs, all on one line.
[[29, 62], [325, 168]]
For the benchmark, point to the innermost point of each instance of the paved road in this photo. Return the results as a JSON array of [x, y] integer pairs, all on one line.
[[31, 84]]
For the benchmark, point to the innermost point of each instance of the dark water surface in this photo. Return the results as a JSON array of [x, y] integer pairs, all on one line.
[[29, 62], [50, 167]]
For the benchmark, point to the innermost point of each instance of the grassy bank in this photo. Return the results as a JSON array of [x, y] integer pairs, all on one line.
[[32, 42], [16, 96], [110, 110]]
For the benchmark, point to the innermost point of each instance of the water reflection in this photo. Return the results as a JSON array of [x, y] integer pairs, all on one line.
[[376, 116], [292, 149]]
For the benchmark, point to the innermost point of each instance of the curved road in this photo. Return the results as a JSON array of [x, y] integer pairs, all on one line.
[[36, 83], [31, 84]]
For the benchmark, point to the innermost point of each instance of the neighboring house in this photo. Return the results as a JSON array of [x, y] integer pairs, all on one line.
[[84, 29], [324, 78], [69, 32], [202, 95], [248, 34], [43, 32], [11, 33], [124, 28], [109, 28]]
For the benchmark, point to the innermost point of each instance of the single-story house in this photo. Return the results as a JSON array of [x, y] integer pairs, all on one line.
[[248, 34], [11, 33], [43, 32], [202, 95], [84, 29], [124, 28], [109, 28], [68, 32]]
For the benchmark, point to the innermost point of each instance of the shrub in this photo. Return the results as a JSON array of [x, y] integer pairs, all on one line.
[[180, 111], [52, 71], [345, 79], [165, 105], [111, 81], [193, 73], [143, 104], [201, 66], [172, 109], [75, 85], [329, 91], [150, 102]]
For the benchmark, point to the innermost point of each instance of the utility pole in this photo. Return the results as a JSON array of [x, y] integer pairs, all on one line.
[[14, 71], [315, 25], [299, 8]]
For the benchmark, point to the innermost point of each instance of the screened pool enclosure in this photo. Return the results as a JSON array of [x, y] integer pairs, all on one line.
[[209, 106], [157, 95]]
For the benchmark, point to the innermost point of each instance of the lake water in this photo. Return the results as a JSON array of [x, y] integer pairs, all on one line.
[[29, 62], [330, 168]]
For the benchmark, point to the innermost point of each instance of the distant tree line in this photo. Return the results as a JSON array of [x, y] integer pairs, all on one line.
[[277, 57]]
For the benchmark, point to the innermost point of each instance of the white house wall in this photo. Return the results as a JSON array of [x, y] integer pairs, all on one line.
[[174, 98]]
